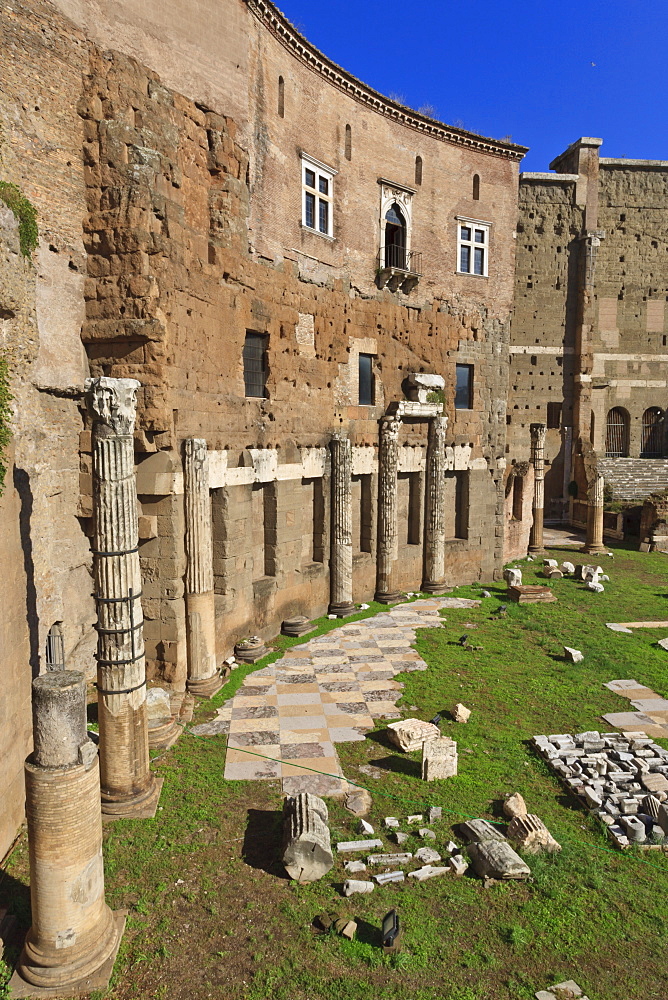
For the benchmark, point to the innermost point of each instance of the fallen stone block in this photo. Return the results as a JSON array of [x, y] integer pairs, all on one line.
[[496, 859], [391, 821], [513, 577], [386, 877], [346, 928], [358, 801], [354, 867], [307, 851], [550, 564], [598, 588], [479, 830], [439, 759], [531, 594], [416, 818], [434, 813], [458, 864], [364, 827], [427, 855], [461, 713], [389, 859], [451, 847], [661, 642], [352, 886], [515, 805], [530, 833], [358, 845], [654, 782], [410, 734], [428, 871], [635, 829], [400, 837], [651, 806], [426, 834], [567, 568], [573, 655], [568, 990]]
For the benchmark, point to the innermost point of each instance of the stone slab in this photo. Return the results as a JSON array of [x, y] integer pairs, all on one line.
[[19, 988]]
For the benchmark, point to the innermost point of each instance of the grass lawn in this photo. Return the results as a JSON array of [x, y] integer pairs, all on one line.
[[212, 913]]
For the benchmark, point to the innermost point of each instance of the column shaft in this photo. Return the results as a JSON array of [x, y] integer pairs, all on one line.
[[388, 458], [434, 527], [203, 676], [127, 784], [341, 560], [594, 542], [538, 462]]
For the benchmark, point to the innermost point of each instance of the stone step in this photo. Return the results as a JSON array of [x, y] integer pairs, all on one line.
[[634, 478]]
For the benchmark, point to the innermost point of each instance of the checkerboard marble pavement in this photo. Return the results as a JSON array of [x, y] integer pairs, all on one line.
[[326, 691]]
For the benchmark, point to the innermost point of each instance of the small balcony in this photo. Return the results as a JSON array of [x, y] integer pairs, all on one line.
[[398, 267]]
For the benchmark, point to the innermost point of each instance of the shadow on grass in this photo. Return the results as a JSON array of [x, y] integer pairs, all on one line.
[[400, 765], [368, 934], [261, 840]]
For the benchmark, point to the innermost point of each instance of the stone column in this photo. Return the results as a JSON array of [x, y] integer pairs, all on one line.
[[203, 676], [594, 542], [537, 460], [73, 932], [434, 526], [388, 458], [128, 786], [341, 559]]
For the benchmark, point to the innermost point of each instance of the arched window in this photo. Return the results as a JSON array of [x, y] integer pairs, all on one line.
[[281, 97], [652, 433], [395, 238], [55, 648], [617, 433], [476, 187], [349, 143], [418, 170]]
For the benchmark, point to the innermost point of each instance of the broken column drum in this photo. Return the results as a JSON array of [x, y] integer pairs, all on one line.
[[388, 459], [434, 529], [341, 562], [203, 676], [594, 542], [538, 462], [127, 785], [73, 931], [307, 851]]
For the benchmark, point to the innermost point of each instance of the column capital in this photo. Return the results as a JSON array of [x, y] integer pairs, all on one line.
[[113, 402], [537, 434]]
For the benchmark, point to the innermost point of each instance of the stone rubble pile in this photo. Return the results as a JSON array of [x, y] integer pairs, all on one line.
[[621, 777]]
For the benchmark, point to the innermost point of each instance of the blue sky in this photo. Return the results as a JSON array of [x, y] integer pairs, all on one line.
[[543, 73]]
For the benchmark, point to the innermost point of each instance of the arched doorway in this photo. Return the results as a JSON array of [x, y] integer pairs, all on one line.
[[652, 433], [395, 238], [617, 433]]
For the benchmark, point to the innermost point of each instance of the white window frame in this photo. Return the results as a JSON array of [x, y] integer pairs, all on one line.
[[473, 225], [321, 170]]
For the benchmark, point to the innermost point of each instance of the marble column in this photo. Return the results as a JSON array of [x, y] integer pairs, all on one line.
[[388, 458], [341, 559], [538, 462], [127, 784], [594, 542], [203, 675], [73, 931], [434, 525]]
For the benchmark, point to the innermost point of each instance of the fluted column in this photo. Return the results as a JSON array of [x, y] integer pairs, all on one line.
[[128, 786], [203, 676], [388, 457], [538, 462], [594, 542], [73, 931], [434, 526], [341, 560]]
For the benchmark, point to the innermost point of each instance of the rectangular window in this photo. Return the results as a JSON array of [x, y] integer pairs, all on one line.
[[518, 497], [366, 380], [255, 364], [457, 504], [317, 195], [553, 416], [464, 387], [473, 246]]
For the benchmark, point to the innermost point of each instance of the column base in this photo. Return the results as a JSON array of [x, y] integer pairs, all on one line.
[[205, 687], [392, 598], [342, 610], [165, 735], [435, 588], [536, 550], [592, 549], [19, 988], [143, 806]]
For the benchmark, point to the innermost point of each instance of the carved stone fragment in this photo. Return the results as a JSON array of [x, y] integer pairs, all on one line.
[[307, 851]]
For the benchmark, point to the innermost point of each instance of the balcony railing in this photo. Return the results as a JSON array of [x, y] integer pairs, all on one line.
[[397, 259]]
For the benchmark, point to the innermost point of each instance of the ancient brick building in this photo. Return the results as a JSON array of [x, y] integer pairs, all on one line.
[[589, 331], [275, 252]]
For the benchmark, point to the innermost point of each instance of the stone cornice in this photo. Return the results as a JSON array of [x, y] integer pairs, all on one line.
[[276, 22]]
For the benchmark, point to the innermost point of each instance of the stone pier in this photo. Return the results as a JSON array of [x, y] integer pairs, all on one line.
[[128, 787], [341, 563], [388, 458], [203, 675], [594, 542], [434, 527], [538, 462], [74, 936]]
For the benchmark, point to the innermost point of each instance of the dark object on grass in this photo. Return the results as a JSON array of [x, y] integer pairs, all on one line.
[[391, 931], [435, 721], [501, 610], [464, 639]]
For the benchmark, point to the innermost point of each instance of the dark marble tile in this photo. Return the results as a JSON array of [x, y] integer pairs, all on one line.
[[255, 712], [385, 694], [295, 678], [295, 751], [365, 658], [352, 707], [339, 686], [254, 739]]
